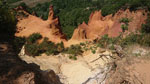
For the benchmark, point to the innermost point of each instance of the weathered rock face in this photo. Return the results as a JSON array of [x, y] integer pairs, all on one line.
[[130, 71], [49, 28], [99, 25], [88, 69]]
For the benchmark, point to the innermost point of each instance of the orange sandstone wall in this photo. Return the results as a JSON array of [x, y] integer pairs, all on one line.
[[49, 28], [99, 25]]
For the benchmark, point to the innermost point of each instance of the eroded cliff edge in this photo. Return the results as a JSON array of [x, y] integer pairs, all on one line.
[[47, 28], [97, 26]]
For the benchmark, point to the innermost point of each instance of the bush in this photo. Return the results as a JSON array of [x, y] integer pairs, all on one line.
[[43, 47], [145, 40], [105, 40], [142, 39], [7, 22], [52, 49], [146, 27], [130, 39], [74, 50], [124, 20], [18, 43], [48, 47], [34, 37], [82, 44], [124, 27], [32, 49], [93, 51], [60, 47], [73, 57]]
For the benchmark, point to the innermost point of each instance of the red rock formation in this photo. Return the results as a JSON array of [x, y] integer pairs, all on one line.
[[96, 27], [49, 28], [99, 25]]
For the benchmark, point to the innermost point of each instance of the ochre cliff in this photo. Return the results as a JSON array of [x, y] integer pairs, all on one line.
[[49, 28], [99, 25]]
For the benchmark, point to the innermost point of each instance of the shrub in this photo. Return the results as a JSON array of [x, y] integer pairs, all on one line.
[[48, 47], [124, 27], [73, 57], [18, 43], [124, 20], [144, 40], [60, 47], [26, 8], [130, 39], [93, 51], [82, 44], [146, 27], [34, 37], [52, 49], [45, 46], [112, 47], [74, 50], [7, 22], [104, 41], [32, 49]]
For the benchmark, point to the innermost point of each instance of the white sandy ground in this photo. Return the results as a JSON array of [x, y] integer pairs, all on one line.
[[87, 69]]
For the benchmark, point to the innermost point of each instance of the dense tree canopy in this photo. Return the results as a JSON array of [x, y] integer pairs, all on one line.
[[73, 12], [7, 21]]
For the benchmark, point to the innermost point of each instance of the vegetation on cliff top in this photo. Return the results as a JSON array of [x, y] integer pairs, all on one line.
[[34, 48], [7, 21], [73, 12], [142, 37]]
